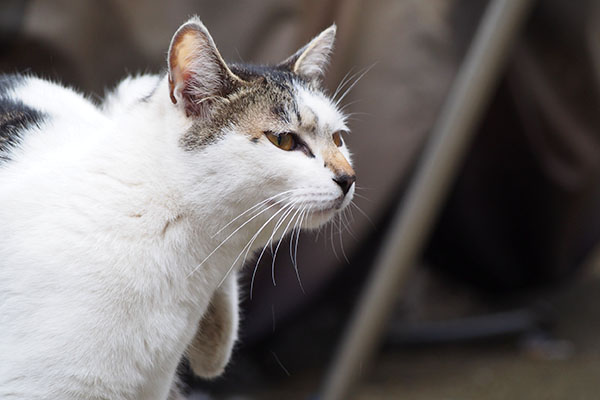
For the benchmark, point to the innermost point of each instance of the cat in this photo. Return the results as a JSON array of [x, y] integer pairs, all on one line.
[[124, 224]]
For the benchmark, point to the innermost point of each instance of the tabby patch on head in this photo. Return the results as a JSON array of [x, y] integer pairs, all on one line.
[[281, 106]]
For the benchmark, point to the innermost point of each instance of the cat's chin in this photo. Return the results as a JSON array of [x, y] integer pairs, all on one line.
[[318, 218]]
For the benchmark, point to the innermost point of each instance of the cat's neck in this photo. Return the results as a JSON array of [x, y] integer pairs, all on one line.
[[188, 217]]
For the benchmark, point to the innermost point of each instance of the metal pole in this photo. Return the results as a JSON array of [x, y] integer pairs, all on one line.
[[468, 97]]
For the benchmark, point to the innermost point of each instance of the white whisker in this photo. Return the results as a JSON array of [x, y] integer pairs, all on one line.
[[250, 209], [342, 240], [362, 212], [332, 242], [288, 206], [342, 83], [296, 226], [295, 260], [346, 222], [279, 243], [348, 105], [248, 246], [230, 235], [360, 196], [338, 101]]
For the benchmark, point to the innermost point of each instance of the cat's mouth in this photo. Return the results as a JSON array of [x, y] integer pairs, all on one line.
[[330, 208], [317, 213]]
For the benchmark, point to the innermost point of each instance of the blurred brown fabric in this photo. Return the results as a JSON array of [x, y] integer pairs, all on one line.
[[525, 210]]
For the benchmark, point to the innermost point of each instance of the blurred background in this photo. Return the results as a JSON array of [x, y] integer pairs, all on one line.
[[503, 301]]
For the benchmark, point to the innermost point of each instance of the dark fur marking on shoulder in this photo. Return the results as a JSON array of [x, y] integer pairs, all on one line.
[[9, 82], [15, 116]]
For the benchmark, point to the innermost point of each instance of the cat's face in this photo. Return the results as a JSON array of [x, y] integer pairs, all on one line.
[[271, 130]]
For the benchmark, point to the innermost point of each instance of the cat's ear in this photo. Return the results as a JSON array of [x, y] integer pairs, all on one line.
[[197, 73], [311, 60]]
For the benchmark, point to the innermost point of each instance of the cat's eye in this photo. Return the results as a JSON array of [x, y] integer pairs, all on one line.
[[284, 141], [337, 139]]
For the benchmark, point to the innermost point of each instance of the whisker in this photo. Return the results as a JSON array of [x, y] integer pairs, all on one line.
[[228, 237], [264, 248], [362, 212], [296, 226], [292, 237], [352, 114], [304, 216], [280, 363], [347, 82], [347, 224], [351, 218], [321, 229], [332, 243], [279, 243], [295, 260], [360, 196], [252, 208], [342, 242], [277, 225], [338, 101], [342, 83], [250, 242], [289, 205], [351, 103]]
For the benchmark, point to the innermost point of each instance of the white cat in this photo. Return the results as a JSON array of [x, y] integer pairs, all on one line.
[[123, 226]]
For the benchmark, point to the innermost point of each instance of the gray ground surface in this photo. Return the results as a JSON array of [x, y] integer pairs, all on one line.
[[503, 369]]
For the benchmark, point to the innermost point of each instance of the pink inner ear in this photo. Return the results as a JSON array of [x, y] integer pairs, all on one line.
[[180, 60], [197, 72]]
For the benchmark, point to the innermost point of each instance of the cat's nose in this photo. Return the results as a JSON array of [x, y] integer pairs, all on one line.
[[345, 181]]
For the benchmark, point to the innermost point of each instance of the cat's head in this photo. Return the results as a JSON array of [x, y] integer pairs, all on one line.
[[262, 133]]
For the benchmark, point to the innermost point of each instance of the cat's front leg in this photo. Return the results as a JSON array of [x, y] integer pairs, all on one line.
[[210, 350]]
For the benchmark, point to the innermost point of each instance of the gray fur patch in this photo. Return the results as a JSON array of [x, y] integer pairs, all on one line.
[[312, 123], [269, 95], [15, 117], [199, 136]]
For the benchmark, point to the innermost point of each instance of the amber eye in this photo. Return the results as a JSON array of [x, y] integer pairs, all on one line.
[[284, 141], [337, 139]]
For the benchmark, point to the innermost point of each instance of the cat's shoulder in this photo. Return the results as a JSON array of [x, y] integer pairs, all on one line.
[[30, 105], [44, 95]]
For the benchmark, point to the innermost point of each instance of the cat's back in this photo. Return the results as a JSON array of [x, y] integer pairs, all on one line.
[[37, 115]]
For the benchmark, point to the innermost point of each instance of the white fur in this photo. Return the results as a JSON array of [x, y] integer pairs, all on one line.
[[111, 245]]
